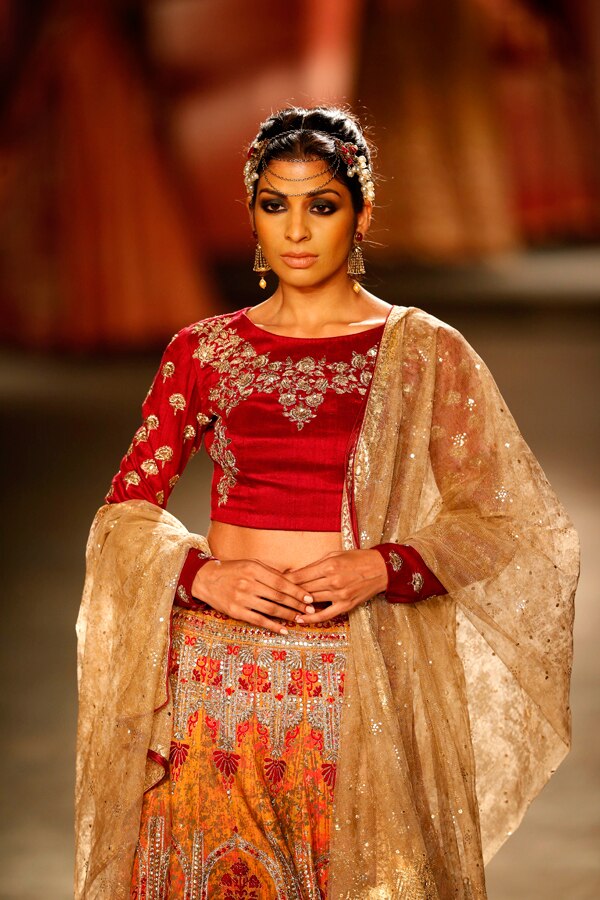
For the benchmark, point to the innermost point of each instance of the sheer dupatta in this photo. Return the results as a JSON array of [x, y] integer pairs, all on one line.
[[134, 554], [457, 708]]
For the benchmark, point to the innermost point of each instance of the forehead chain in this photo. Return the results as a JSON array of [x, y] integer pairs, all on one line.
[[346, 152], [300, 193]]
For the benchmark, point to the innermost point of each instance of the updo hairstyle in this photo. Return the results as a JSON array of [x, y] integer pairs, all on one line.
[[295, 133]]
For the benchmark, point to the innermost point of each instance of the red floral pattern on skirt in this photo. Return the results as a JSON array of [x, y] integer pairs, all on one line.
[[246, 812]]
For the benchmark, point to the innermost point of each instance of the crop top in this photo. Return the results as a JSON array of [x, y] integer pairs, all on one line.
[[275, 413]]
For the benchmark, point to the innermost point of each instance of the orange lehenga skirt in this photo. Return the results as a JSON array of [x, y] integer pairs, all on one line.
[[246, 812]]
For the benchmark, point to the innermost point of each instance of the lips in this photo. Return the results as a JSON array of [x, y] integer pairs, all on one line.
[[299, 260]]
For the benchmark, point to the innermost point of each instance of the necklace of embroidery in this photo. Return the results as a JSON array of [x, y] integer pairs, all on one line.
[[301, 384]]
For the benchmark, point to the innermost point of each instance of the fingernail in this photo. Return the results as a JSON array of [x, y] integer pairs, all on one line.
[[283, 631], [299, 619], [307, 598], [310, 609]]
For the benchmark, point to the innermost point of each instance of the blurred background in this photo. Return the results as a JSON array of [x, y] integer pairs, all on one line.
[[123, 133]]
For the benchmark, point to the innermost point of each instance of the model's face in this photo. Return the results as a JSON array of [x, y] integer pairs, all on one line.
[[306, 239]]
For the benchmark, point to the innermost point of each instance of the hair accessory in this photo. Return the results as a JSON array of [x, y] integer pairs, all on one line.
[[357, 165], [261, 265], [346, 151], [255, 152]]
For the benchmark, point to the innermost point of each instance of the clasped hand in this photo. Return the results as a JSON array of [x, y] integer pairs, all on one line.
[[251, 591]]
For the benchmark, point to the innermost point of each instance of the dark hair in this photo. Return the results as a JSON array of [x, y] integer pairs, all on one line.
[[308, 134]]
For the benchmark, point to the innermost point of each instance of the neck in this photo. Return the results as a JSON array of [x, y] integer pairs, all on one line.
[[330, 301]]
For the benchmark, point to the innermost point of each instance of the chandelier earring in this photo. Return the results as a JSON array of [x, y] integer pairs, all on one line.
[[356, 261], [261, 265]]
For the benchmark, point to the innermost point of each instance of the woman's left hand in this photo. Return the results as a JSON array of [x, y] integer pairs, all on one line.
[[343, 578]]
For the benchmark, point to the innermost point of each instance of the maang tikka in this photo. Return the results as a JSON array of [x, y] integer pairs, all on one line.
[[261, 265]]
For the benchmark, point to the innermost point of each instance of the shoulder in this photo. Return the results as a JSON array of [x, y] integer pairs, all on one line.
[[427, 325], [188, 338]]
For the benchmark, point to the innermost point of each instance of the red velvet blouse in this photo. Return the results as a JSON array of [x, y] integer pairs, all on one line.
[[275, 414]]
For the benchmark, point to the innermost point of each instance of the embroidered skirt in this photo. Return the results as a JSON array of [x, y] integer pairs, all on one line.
[[246, 812]]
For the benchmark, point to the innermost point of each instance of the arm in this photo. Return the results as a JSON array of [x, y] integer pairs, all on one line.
[[408, 577], [173, 423]]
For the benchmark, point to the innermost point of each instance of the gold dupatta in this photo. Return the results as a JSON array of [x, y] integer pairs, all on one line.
[[135, 552], [456, 708]]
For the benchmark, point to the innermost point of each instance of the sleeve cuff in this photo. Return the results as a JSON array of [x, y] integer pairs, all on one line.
[[194, 561], [409, 579]]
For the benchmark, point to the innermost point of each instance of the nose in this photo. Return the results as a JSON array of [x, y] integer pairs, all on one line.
[[297, 229]]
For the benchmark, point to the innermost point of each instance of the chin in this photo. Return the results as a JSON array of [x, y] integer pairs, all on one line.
[[306, 278]]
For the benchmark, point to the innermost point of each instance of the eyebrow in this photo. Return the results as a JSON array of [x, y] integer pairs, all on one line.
[[310, 194]]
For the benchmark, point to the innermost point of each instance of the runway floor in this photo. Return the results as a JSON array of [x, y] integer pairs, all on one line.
[[66, 423]]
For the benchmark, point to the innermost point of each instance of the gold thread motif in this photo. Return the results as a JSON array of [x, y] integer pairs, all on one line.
[[131, 478], [149, 467], [168, 370], [223, 456], [177, 401], [396, 560], [164, 454], [273, 683], [417, 582], [301, 385]]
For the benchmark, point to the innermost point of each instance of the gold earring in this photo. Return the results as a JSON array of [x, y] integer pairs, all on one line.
[[261, 265], [356, 261]]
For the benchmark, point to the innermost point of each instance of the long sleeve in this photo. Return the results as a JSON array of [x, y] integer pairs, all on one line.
[[171, 431], [409, 577], [173, 423]]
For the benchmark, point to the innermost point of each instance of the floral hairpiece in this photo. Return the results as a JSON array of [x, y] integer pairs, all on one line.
[[357, 165], [347, 151]]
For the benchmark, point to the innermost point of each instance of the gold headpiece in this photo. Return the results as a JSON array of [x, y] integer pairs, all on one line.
[[347, 153]]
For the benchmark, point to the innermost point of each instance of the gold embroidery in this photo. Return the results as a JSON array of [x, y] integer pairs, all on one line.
[[458, 449], [301, 385], [189, 433], [160, 497], [224, 457], [168, 370], [396, 560], [151, 423], [417, 582], [131, 478], [149, 467], [173, 481], [232, 678], [177, 401], [164, 454]]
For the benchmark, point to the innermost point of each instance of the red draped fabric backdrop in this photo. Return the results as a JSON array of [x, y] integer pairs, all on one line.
[[124, 125]]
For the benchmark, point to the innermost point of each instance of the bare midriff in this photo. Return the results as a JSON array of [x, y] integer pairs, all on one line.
[[279, 549]]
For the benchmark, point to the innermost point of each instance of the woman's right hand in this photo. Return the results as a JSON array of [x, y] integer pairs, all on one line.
[[251, 591]]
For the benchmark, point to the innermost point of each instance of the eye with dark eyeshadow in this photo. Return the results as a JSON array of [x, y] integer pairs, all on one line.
[[320, 207], [271, 206], [324, 207]]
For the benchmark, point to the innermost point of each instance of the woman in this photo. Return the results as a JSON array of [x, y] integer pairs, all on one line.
[[357, 681]]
